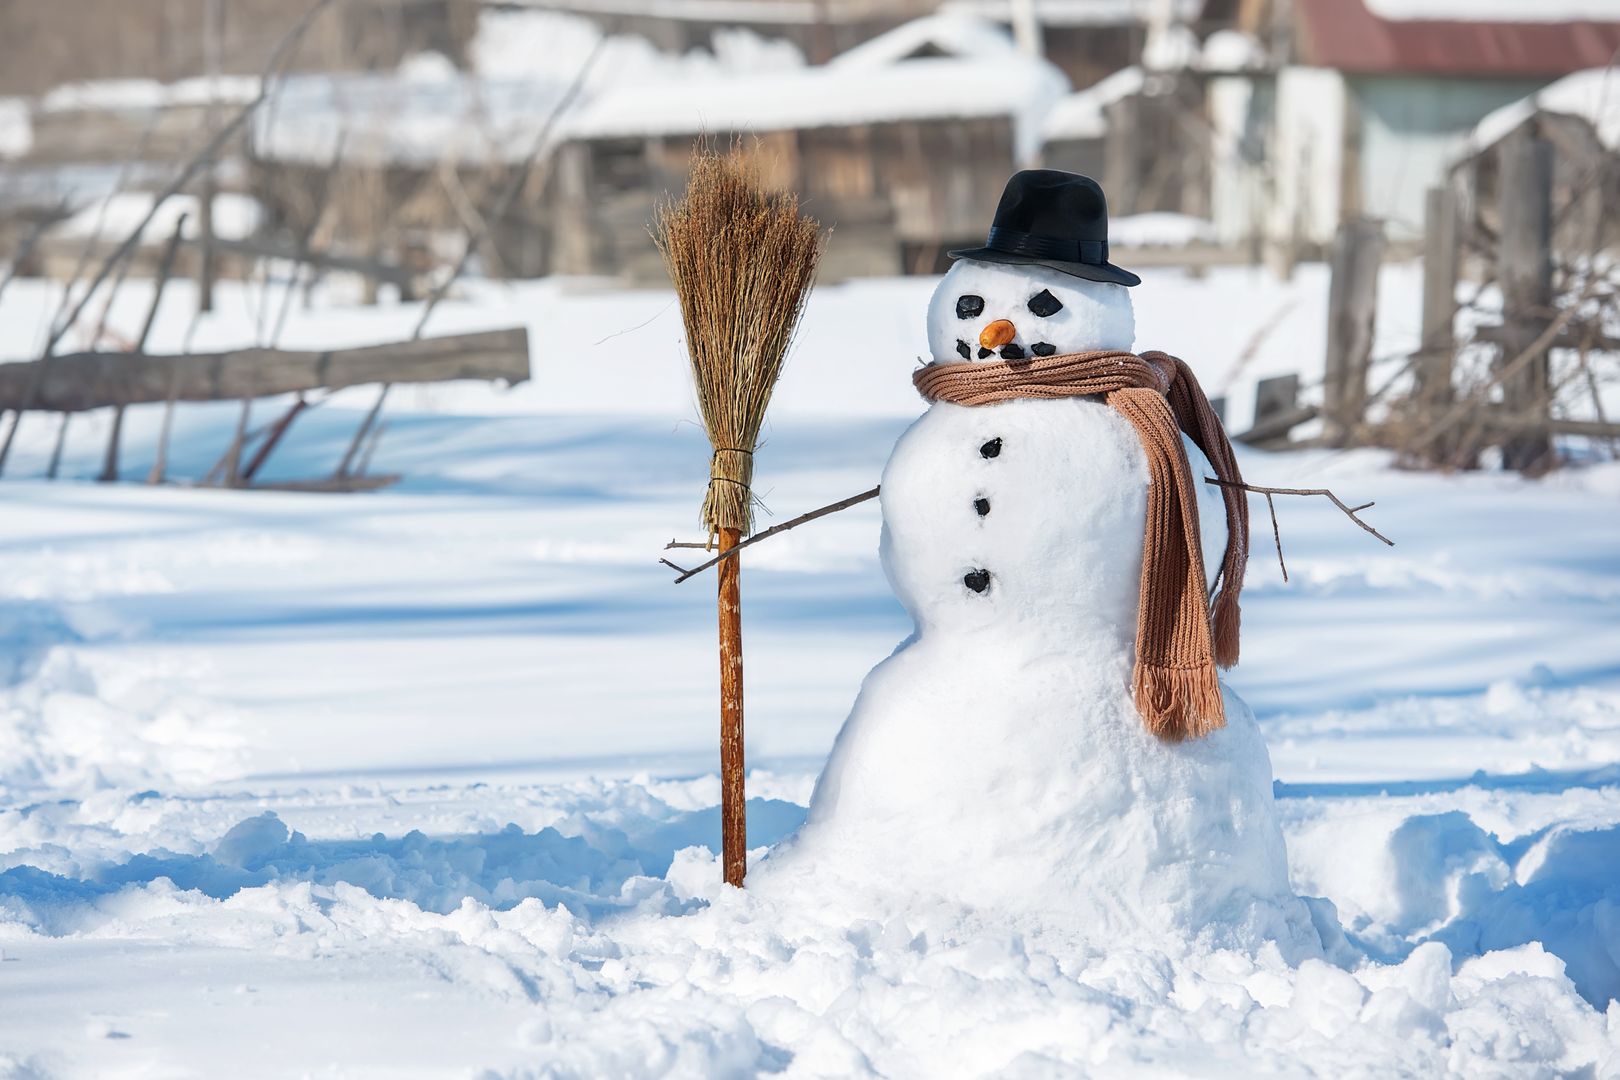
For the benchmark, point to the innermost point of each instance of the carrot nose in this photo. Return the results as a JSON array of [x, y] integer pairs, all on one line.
[[997, 334]]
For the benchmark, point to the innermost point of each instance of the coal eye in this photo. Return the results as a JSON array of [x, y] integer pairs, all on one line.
[[1044, 303], [968, 306]]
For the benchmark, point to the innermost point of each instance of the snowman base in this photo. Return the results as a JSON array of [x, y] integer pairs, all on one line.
[[1093, 830]]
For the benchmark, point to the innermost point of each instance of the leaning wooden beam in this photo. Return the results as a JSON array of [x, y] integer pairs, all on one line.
[[76, 382]]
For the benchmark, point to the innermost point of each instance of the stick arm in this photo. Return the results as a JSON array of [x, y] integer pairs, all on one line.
[[830, 508]]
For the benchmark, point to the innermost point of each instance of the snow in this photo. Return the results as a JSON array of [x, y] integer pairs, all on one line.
[[16, 127], [400, 679], [1232, 51], [236, 216], [1094, 314], [1593, 96], [1160, 229], [1172, 47], [143, 94], [1075, 12], [1080, 115], [950, 34], [1495, 10], [922, 89]]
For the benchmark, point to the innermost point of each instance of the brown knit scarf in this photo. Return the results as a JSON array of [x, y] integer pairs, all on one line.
[[1177, 645]]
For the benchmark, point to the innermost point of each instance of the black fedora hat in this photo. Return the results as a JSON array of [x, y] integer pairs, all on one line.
[[1052, 219]]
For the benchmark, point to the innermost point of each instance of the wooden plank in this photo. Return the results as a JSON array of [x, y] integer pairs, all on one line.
[[1275, 396], [1352, 305], [1524, 270], [1438, 349], [1277, 426], [1592, 429], [79, 381]]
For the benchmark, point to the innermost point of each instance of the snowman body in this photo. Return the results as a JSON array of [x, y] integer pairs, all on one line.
[[997, 757]]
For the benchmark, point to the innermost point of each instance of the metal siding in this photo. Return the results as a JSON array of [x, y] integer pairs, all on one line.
[[1344, 35]]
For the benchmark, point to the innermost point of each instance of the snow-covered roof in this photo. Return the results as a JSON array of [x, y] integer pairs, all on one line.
[[830, 96], [1080, 115], [149, 93], [1496, 10], [948, 34], [1593, 96], [403, 117], [1075, 12]]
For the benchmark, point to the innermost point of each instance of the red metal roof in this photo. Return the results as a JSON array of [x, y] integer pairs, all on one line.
[[1344, 35]]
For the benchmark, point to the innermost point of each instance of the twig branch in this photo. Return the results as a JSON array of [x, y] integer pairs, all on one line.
[[830, 508], [1268, 492], [1276, 534]]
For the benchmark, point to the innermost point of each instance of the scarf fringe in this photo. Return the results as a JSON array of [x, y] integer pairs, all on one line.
[[1178, 703]]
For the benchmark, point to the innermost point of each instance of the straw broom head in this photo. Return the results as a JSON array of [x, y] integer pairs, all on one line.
[[742, 260]]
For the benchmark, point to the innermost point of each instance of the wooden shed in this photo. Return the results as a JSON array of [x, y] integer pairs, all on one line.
[[902, 145]]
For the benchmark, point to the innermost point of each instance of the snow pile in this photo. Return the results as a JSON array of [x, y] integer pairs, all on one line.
[[1593, 96], [236, 217], [72, 724]]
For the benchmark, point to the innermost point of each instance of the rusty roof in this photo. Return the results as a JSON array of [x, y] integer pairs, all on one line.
[[1344, 35]]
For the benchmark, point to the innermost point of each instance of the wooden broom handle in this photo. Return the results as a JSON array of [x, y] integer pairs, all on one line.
[[733, 798]]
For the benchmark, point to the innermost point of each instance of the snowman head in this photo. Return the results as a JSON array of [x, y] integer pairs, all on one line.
[[989, 312]]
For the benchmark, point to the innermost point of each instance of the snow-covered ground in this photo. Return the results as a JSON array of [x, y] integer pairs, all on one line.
[[421, 782]]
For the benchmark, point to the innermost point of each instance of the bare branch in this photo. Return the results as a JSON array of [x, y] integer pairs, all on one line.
[[1349, 511], [1276, 534], [830, 508]]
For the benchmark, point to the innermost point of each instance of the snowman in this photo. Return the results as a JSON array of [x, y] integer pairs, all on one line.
[[998, 759]]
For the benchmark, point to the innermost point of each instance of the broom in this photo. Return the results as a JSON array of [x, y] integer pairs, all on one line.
[[741, 260]]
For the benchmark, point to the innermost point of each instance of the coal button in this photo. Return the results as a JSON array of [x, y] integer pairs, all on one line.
[[977, 580], [982, 506], [991, 449]]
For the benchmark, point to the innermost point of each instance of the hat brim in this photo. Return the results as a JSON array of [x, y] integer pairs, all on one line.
[[1090, 271]]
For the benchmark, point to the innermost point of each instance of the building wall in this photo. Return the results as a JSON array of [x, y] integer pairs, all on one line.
[[896, 196], [45, 44], [1240, 115], [1307, 156], [1410, 129]]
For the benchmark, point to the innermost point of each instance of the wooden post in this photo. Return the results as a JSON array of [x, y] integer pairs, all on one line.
[[733, 797], [1122, 163], [109, 464], [1352, 306], [1524, 269], [213, 30], [160, 462], [56, 450], [1437, 351]]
